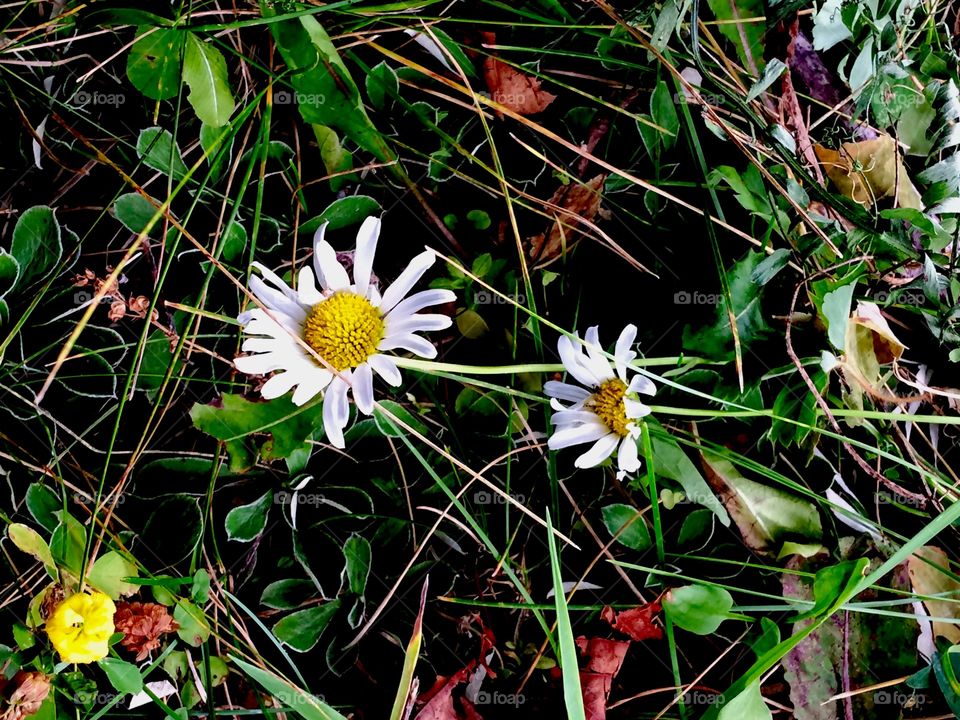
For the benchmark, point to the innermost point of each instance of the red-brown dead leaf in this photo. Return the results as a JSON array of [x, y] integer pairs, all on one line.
[[440, 703], [604, 659], [638, 622], [513, 89], [579, 203]]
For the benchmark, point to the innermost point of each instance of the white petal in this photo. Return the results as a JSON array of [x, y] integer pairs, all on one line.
[[276, 301], [577, 435], [424, 298], [259, 364], [336, 412], [635, 409], [279, 385], [418, 323], [386, 368], [413, 343], [363, 257], [569, 417], [275, 279], [600, 451], [311, 386], [623, 355], [628, 459], [363, 388], [430, 45], [307, 288], [570, 357], [330, 272], [595, 360], [565, 391], [642, 384], [408, 278]]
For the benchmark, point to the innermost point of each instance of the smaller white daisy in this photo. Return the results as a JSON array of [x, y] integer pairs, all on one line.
[[349, 325], [604, 411]]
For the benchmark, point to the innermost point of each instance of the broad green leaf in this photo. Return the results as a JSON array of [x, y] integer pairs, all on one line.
[[200, 588], [287, 594], [134, 211], [153, 65], [828, 584], [246, 522], [43, 504], [124, 676], [108, 573], [388, 427], [828, 26], [302, 629], [205, 72], [343, 212], [67, 543], [836, 313], [357, 555], [29, 541], [382, 85], [766, 516], [698, 608], [290, 696], [716, 341], [9, 272], [194, 628], [236, 419], [158, 150], [663, 110], [670, 461], [326, 93], [233, 241], [748, 705], [336, 159], [739, 23], [37, 245], [618, 516]]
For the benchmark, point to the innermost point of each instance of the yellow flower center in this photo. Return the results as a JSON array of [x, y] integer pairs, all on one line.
[[608, 405], [344, 329]]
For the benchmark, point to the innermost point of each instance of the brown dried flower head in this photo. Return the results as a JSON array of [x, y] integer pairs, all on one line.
[[32, 690], [143, 625]]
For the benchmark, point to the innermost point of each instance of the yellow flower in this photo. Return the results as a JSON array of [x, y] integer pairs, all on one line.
[[81, 626]]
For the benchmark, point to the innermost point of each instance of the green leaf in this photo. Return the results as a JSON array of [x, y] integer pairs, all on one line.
[[772, 264], [290, 696], [194, 628], [67, 543], [829, 584], [108, 573], [828, 26], [663, 110], [9, 272], [382, 85], [36, 245], [246, 522], [29, 541], [43, 503], [636, 535], [343, 212], [134, 211], [326, 94], [336, 159], [748, 705], [572, 694], [125, 677], [388, 427], [233, 241], [200, 589], [716, 341], [205, 72], [698, 608], [158, 150], [739, 25], [302, 629], [287, 594], [771, 72], [357, 554], [836, 313], [236, 419], [766, 516], [670, 461], [153, 65]]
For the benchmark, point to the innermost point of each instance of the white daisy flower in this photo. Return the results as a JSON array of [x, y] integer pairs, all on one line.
[[603, 412], [350, 325]]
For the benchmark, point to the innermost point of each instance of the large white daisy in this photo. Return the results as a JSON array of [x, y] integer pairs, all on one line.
[[603, 412], [349, 325]]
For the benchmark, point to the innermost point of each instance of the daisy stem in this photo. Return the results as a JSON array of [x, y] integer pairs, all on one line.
[[431, 366]]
